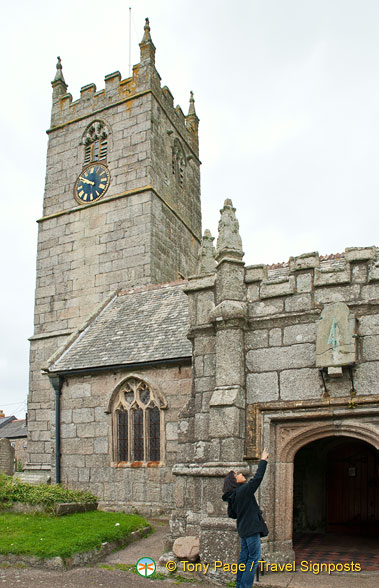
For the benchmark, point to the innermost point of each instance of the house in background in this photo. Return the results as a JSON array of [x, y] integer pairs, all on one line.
[[15, 430]]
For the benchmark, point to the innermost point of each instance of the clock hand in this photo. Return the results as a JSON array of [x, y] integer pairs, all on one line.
[[86, 181]]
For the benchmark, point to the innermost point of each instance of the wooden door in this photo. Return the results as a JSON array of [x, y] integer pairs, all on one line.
[[352, 502]]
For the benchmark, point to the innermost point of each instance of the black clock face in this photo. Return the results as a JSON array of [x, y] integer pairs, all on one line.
[[92, 183]]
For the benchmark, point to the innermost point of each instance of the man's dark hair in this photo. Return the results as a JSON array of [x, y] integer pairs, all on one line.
[[230, 482]]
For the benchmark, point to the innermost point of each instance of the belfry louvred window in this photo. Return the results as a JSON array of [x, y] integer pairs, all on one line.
[[95, 141], [137, 423], [178, 163]]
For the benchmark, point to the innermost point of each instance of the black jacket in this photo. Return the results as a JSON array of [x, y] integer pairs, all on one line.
[[243, 506]]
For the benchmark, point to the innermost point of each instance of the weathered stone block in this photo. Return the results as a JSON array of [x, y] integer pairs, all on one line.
[[205, 304], [227, 396], [327, 278], [370, 348], [68, 431], [275, 337], [231, 450], [229, 282], [209, 364], [341, 294], [262, 387], [279, 288], [87, 430], [225, 421], [373, 274], [371, 292], [172, 431], [256, 339], [255, 273], [229, 357], [302, 333], [359, 273], [304, 261], [6, 457], [78, 446], [186, 548], [304, 283], [298, 302], [300, 384], [81, 390], [369, 325], [83, 415], [253, 292], [266, 308], [366, 378], [280, 358], [360, 253]]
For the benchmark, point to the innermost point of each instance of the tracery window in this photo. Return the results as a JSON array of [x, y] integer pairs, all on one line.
[[178, 162], [137, 423], [95, 141]]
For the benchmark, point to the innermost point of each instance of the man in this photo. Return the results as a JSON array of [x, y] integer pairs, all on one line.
[[243, 506]]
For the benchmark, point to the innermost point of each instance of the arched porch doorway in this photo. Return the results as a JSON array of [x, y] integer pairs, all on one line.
[[336, 498]]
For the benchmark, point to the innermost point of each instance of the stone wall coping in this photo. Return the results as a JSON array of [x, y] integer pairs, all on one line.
[[200, 283], [210, 469], [360, 253], [59, 509]]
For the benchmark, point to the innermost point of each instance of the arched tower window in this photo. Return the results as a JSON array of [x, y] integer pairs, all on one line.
[[95, 141], [178, 162], [137, 423]]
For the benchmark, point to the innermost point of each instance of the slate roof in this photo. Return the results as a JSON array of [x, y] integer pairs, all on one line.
[[4, 420], [14, 429], [140, 325]]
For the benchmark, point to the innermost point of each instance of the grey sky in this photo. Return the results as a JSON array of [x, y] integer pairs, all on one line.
[[287, 92]]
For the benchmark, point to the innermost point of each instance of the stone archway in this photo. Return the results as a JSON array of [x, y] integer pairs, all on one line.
[[287, 437], [336, 488]]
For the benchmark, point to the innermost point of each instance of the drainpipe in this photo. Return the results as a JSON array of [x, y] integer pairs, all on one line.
[[57, 383]]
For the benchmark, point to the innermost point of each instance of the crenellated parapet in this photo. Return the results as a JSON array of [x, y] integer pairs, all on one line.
[[311, 278], [121, 93]]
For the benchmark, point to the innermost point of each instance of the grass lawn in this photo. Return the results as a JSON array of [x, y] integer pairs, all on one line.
[[46, 536]]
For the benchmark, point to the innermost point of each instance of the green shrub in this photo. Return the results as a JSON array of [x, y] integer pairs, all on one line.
[[12, 490]]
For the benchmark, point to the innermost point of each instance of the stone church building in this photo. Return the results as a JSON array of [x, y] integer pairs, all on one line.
[[160, 361]]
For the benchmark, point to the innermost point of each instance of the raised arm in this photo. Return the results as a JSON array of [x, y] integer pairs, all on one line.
[[254, 483]]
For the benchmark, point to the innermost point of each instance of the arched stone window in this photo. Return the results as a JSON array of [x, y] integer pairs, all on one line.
[[95, 141], [178, 162], [137, 420]]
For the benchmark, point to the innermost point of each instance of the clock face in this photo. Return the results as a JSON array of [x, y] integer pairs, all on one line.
[[92, 183]]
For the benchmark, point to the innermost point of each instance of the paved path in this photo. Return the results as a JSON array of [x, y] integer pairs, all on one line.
[[152, 546]]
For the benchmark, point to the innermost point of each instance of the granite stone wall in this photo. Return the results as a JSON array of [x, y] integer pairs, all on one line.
[[146, 229], [87, 436], [258, 381]]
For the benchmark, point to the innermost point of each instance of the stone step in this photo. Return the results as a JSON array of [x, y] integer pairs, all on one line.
[[33, 477]]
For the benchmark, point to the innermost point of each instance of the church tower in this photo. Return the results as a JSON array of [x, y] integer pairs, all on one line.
[[121, 208]]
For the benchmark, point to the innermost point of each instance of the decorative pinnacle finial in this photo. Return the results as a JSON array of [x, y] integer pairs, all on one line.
[[229, 242], [58, 83], [59, 73], [207, 262], [147, 46], [191, 109], [146, 35]]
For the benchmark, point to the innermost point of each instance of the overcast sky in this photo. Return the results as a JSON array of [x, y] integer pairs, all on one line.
[[287, 92]]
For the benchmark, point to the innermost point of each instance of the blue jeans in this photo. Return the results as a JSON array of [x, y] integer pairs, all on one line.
[[250, 555]]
